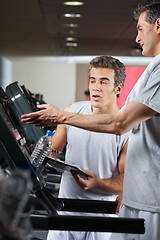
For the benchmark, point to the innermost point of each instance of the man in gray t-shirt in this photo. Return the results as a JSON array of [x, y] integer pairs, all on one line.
[[141, 115]]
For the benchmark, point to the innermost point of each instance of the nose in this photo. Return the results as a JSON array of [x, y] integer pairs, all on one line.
[[97, 86], [137, 39]]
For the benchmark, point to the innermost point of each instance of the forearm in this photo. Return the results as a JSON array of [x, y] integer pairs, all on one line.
[[112, 185], [98, 123], [50, 115]]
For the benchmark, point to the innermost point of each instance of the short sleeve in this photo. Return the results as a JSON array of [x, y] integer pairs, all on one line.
[[150, 95]]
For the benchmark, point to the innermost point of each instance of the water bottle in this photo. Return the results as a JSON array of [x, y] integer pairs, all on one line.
[[41, 149]]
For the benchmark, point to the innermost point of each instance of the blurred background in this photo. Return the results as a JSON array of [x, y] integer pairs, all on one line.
[[46, 45]]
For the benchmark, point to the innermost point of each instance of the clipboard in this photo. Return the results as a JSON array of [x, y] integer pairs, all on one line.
[[61, 166]]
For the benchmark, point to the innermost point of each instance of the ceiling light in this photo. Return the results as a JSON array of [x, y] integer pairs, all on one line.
[[71, 32], [70, 39], [72, 15], [73, 25], [71, 44], [73, 3]]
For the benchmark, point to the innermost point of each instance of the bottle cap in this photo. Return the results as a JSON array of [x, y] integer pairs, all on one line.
[[50, 133]]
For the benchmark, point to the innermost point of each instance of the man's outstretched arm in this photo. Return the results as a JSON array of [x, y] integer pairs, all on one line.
[[118, 123]]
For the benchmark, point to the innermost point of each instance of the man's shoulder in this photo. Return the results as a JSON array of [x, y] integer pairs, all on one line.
[[81, 103], [156, 70], [80, 106]]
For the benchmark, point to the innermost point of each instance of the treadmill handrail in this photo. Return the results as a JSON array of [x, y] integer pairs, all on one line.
[[85, 223]]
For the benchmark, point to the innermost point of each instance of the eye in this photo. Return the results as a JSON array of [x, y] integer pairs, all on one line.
[[92, 81], [140, 29], [104, 82]]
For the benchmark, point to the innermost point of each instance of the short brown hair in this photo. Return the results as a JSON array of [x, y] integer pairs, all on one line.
[[112, 63]]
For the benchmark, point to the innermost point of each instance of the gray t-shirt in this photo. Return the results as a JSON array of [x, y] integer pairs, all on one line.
[[97, 152], [142, 171]]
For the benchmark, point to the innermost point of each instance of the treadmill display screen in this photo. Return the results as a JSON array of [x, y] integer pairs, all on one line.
[[8, 114]]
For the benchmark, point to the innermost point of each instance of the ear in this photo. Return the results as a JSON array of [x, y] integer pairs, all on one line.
[[158, 25], [118, 89]]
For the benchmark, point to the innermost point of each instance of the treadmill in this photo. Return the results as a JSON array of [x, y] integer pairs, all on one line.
[[18, 159], [24, 103]]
